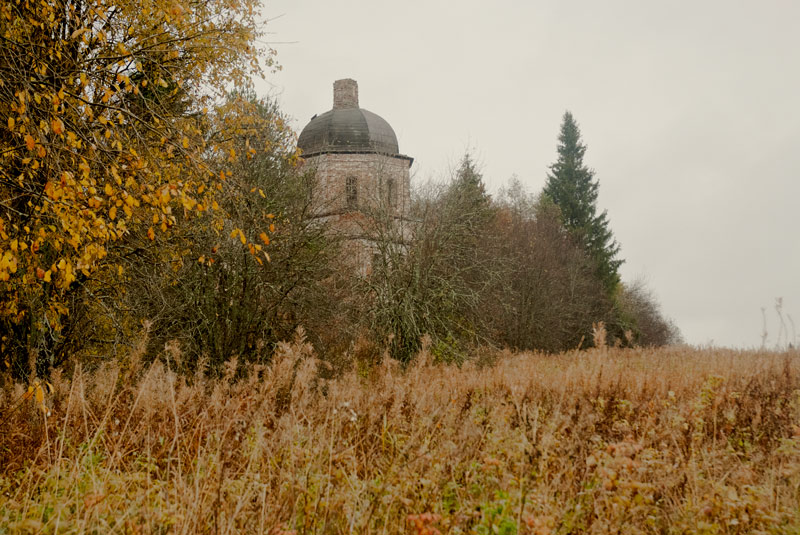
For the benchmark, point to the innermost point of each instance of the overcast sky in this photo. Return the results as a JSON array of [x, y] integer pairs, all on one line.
[[690, 111]]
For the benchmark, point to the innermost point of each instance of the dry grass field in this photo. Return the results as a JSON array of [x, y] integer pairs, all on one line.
[[675, 440]]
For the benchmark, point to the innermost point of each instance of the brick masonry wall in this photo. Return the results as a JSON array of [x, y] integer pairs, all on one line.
[[372, 172], [345, 93]]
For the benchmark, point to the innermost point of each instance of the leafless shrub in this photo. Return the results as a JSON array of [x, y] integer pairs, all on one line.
[[434, 284], [219, 301], [641, 313], [548, 296]]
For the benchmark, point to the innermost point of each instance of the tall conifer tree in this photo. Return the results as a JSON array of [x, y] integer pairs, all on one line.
[[572, 187]]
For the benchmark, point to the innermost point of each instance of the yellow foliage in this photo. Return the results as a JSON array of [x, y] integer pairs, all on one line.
[[108, 102]]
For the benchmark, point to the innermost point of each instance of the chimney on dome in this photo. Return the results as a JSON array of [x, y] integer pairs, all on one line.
[[345, 94]]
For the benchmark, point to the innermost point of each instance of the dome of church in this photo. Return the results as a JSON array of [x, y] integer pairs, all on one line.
[[347, 128]]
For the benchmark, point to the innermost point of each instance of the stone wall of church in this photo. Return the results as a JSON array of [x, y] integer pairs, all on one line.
[[349, 182]]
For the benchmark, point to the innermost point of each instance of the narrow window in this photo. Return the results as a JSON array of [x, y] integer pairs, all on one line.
[[351, 192], [390, 193]]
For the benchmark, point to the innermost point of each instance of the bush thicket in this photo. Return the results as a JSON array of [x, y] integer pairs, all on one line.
[[504, 272], [136, 195]]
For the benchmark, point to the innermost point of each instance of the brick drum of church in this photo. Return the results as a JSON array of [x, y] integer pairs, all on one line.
[[359, 172]]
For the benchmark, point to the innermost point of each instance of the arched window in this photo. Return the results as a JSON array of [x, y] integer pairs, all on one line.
[[351, 191]]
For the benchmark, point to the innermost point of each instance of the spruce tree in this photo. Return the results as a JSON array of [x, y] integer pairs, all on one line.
[[572, 187], [469, 192]]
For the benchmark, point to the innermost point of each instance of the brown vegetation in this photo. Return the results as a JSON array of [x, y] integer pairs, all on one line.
[[672, 440]]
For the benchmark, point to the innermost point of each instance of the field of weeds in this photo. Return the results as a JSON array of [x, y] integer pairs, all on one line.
[[605, 441]]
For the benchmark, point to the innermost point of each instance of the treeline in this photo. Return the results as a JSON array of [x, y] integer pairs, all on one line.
[[478, 270], [140, 200], [504, 271]]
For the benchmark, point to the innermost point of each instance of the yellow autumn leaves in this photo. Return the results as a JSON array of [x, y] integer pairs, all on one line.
[[238, 232], [255, 248], [8, 265], [105, 144], [36, 391]]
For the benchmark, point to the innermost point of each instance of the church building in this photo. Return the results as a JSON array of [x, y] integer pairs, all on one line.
[[360, 173]]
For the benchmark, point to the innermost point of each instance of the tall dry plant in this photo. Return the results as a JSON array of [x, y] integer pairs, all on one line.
[[673, 440]]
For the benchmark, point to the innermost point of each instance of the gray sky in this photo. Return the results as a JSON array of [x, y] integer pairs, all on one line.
[[690, 111]]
